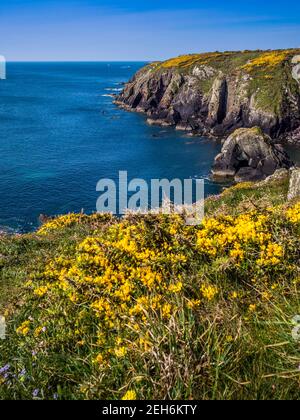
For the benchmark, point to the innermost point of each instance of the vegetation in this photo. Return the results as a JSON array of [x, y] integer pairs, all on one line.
[[149, 308], [247, 60], [267, 60], [267, 73]]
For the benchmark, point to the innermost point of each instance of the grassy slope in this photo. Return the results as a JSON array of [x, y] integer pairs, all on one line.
[[235, 343]]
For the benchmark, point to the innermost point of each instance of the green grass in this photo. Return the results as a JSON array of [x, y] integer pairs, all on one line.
[[247, 196], [235, 343]]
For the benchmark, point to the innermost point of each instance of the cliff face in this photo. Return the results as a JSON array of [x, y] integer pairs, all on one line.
[[215, 93]]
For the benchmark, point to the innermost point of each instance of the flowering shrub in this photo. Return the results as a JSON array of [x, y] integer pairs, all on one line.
[[192, 59], [69, 220], [268, 59], [129, 310], [293, 214]]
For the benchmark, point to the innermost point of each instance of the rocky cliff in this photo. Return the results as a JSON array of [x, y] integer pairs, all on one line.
[[215, 93]]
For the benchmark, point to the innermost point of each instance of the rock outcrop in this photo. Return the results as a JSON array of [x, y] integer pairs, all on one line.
[[278, 176], [216, 93], [249, 155], [294, 186]]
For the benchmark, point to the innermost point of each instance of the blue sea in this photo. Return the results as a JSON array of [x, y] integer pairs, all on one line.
[[61, 133]]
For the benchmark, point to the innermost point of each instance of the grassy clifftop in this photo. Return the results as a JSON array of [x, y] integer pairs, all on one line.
[[269, 72], [232, 60], [216, 93], [149, 308]]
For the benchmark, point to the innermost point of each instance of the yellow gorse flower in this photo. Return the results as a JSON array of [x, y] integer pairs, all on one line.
[[293, 214], [268, 59], [271, 254], [41, 291], [209, 292], [129, 396], [120, 351], [24, 328], [176, 288], [231, 236], [99, 359]]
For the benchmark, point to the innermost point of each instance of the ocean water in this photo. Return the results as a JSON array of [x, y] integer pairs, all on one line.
[[61, 133]]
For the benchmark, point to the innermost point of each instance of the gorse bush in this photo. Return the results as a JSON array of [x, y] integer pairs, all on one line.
[[268, 60], [149, 308], [245, 60]]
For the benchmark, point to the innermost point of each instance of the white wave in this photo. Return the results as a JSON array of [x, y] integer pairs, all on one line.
[[113, 89]]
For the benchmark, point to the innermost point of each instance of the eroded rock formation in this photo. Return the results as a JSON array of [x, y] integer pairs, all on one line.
[[249, 155], [294, 186]]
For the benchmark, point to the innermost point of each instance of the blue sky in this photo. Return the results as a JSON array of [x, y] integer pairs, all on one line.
[[142, 30]]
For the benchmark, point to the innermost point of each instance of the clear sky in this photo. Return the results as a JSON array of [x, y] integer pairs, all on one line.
[[142, 29]]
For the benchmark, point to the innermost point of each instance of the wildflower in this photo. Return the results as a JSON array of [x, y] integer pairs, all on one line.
[[35, 393], [267, 60], [176, 288], [61, 222], [166, 310], [193, 303], [39, 330], [237, 253], [266, 295], [293, 214], [252, 308], [234, 295], [24, 328], [144, 343], [4, 369], [129, 396], [73, 298], [99, 359], [41, 291], [173, 230], [271, 255], [209, 292], [120, 352]]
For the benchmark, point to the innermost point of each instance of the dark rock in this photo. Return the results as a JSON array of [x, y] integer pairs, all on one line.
[[248, 174], [249, 155], [294, 137]]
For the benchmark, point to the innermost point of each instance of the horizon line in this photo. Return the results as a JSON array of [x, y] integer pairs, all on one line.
[[144, 60], [80, 61]]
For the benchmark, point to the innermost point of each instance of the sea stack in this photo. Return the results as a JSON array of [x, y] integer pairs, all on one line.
[[249, 155]]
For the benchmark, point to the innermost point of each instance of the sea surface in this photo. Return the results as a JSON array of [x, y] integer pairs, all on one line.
[[61, 133]]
